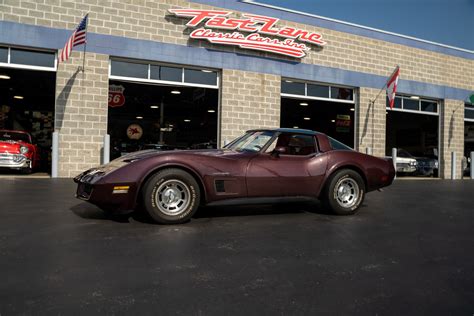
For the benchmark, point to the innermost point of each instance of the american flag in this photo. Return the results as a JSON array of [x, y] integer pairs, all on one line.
[[77, 38]]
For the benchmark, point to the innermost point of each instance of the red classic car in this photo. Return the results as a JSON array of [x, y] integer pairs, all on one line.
[[262, 166], [17, 151]]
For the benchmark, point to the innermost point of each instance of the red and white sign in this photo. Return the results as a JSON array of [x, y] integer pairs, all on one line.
[[290, 42], [116, 97], [134, 131], [392, 86]]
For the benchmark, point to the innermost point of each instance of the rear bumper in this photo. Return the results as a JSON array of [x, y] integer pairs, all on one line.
[[14, 161], [92, 187]]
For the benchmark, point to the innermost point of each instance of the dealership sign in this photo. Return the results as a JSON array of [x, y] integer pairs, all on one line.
[[249, 32]]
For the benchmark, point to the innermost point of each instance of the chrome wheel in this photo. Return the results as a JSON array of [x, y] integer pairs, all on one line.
[[172, 197], [347, 192]]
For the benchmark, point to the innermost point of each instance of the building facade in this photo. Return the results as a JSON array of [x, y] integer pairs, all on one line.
[[148, 80]]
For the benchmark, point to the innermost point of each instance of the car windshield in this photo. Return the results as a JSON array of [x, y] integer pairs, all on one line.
[[253, 141], [14, 136]]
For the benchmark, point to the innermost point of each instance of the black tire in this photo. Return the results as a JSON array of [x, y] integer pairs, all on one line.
[[171, 196], [344, 192]]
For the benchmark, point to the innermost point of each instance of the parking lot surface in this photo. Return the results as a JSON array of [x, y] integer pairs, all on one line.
[[409, 251]]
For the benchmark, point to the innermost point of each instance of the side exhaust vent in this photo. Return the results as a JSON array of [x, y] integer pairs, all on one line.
[[220, 186]]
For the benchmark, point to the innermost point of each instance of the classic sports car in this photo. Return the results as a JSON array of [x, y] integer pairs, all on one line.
[[17, 151], [262, 166]]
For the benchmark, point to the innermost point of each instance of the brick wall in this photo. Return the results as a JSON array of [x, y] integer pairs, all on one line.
[[451, 136], [149, 20], [249, 100], [81, 112], [371, 118]]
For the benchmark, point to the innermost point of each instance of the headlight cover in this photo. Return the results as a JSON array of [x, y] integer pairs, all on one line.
[[24, 150]]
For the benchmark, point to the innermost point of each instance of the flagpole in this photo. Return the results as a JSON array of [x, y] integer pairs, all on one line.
[[385, 84], [85, 45]]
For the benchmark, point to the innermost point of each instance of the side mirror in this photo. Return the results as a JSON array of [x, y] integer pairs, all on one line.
[[278, 150]]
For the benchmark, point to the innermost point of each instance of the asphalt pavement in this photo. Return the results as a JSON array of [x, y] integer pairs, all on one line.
[[409, 251]]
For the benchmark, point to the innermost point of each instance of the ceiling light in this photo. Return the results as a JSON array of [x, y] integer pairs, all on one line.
[[352, 109], [19, 97], [333, 121], [154, 106], [187, 121], [3, 76], [415, 97], [139, 117], [304, 104], [205, 70], [175, 92], [289, 81], [306, 118], [295, 127], [211, 111]]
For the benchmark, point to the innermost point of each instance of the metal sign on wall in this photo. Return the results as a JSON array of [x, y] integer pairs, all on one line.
[[286, 41]]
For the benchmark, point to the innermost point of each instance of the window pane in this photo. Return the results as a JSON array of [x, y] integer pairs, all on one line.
[[200, 76], [166, 73], [398, 103], [338, 145], [341, 93], [124, 69], [469, 114], [3, 54], [409, 104], [315, 90], [429, 106], [25, 57], [292, 87]]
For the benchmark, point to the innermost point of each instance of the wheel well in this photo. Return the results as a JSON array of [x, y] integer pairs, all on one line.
[[190, 171], [350, 167]]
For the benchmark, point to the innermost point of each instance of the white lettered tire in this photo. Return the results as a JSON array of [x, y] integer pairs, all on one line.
[[344, 192], [171, 196]]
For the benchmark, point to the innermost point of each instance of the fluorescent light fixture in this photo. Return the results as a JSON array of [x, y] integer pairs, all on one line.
[[3, 76], [187, 120], [289, 81], [205, 70], [295, 127], [211, 111], [333, 121], [175, 92], [304, 104], [352, 109], [306, 118], [415, 97], [19, 97], [139, 117], [154, 106]]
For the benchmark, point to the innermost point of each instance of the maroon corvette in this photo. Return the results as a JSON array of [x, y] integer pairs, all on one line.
[[262, 166]]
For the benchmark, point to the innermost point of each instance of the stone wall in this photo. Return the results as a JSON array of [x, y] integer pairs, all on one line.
[[249, 100], [81, 112]]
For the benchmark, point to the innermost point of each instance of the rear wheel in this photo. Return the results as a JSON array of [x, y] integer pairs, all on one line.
[[345, 192], [171, 196]]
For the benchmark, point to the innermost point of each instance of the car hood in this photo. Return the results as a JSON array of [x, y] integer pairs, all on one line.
[[199, 152], [10, 147]]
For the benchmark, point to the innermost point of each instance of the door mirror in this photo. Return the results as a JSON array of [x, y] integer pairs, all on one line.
[[278, 151]]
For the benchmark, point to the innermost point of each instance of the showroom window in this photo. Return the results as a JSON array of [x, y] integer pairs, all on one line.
[[166, 74], [27, 59], [469, 112], [414, 104], [296, 89]]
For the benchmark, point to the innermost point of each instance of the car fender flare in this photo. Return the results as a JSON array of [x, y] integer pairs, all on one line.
[[176, 165], [331, 171]]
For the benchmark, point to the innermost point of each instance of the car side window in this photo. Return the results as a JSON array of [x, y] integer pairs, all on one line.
[[294, 144]]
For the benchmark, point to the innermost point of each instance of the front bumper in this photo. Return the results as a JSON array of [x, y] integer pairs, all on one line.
[[14, 161], [93, 187]]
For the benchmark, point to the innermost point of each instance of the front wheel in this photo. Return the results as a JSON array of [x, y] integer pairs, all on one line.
[[345, 192], [171, 196]]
